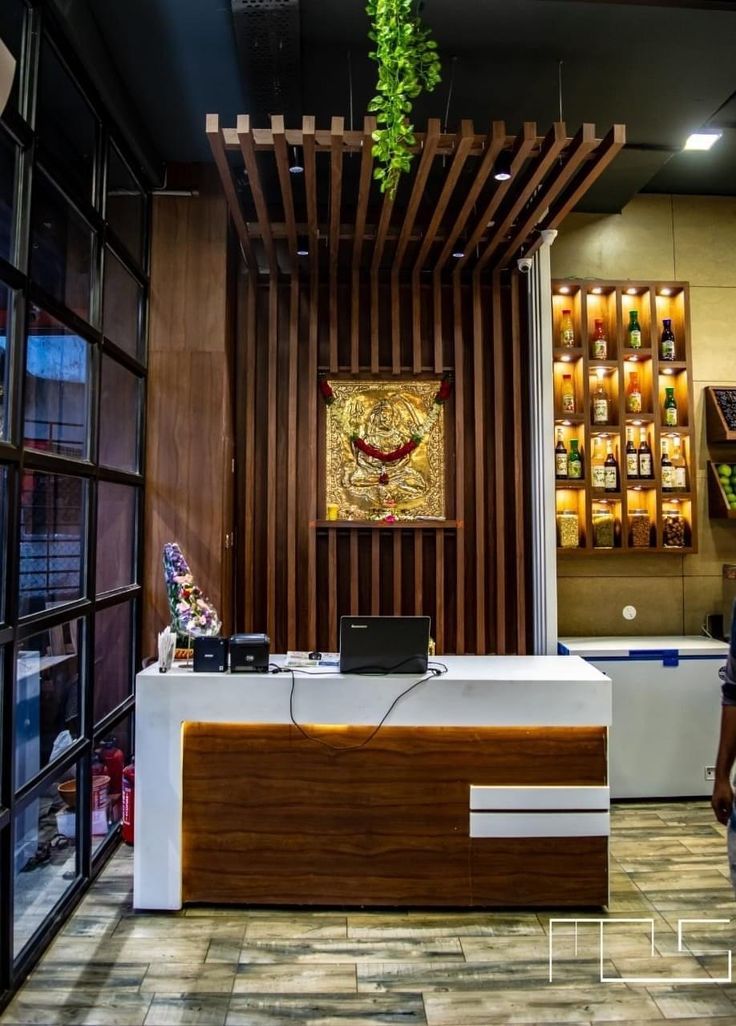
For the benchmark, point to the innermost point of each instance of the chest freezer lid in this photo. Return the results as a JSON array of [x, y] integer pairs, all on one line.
[[680, 646]]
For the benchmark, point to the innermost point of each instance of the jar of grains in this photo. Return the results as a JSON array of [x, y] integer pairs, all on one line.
[[673, 530], [603, 529], [568, 529], [640, 524]]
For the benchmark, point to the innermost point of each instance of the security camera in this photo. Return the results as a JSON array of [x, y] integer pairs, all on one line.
[[548, 235], [524, 264]]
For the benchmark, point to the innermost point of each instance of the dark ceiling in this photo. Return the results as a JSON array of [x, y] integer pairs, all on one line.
[[664, 70]]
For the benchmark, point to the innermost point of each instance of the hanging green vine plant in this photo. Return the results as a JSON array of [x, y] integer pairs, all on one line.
[[407, 63]]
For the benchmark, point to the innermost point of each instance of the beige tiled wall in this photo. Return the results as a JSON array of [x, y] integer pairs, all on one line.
[[685, 238]]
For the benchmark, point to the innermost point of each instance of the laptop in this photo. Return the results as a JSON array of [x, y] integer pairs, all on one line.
[[384, 644]]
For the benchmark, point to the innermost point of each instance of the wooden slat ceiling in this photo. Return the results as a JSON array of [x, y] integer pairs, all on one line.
[[448, 204]]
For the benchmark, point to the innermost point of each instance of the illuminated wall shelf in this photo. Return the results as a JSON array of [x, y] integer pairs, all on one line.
[[645, 518]]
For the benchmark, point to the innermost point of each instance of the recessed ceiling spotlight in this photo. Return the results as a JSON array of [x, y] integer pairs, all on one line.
[[302, 251], [566, 359], [632, 292], [668, 370], [701, 140], [458, 253], [564, 289], [665, 292], [502, 167], [597, 291], [567, 423]]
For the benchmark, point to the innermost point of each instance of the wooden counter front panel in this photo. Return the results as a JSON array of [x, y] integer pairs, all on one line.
[[270, 817]]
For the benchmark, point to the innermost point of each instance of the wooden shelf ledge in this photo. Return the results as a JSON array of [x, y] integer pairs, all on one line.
[[382, 525]]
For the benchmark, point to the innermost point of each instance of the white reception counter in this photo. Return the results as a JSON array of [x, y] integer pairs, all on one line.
[[535, 696]]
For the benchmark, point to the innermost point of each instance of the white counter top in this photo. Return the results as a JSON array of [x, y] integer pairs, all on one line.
[[476, 691]]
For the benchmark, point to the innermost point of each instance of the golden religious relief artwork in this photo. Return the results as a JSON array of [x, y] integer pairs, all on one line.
[[372, 419]]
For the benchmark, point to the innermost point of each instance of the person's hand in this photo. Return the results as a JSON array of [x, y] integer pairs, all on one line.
[[722, 800]]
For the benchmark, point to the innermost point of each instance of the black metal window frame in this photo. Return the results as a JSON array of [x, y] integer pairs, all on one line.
[[17, 460]]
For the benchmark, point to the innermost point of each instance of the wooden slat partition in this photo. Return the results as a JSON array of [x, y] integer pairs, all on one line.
[[366, 310]]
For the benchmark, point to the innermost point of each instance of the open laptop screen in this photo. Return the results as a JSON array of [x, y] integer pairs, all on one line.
[[384, 644]]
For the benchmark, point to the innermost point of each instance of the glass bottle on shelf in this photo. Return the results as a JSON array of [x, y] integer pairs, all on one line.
[[633, 394], [610, 468], [633, 330], [560, 457], [667, 471], [574, 462], [646, 469], [670, 407], [599, 341], [680, 466], [567, 394], [597, 466], [567, 331], [600, 402], [667, 341], [632, 456]]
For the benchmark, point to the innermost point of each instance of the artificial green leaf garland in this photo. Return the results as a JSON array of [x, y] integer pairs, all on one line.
[[407, 63]]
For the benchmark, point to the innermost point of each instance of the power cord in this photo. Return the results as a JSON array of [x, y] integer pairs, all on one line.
[[434, 671]]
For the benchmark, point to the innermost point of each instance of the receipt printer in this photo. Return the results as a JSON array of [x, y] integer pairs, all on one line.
[[249, 652], [210, 655]]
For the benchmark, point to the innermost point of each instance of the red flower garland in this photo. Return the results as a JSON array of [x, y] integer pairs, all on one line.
[[443, 394]]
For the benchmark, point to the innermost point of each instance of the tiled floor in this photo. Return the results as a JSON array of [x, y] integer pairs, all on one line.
[[267, 968]]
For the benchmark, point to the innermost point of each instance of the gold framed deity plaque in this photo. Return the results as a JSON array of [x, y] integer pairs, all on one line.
[[385, 449]]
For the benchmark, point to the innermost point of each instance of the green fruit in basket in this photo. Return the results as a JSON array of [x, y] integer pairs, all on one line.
[[724, 470]]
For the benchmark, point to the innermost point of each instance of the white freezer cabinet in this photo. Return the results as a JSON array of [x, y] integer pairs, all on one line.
[[666, 711]]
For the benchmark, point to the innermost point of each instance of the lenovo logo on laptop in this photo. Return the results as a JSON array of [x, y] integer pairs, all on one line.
[[384, 644]]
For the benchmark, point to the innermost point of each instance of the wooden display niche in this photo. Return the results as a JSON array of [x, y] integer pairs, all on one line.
[[718, 504], [635, 499]]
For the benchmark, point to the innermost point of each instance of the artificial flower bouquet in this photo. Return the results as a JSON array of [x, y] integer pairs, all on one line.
[[192, 613]]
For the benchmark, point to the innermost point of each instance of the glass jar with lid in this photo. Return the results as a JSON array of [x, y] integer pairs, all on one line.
[[568, 529], [603, 528], [673, 529], [640, 526]]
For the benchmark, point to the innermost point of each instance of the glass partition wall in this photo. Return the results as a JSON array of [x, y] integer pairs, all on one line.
[[73, 293]]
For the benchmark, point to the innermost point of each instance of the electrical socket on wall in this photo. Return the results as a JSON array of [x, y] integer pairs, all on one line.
[[710, 773]]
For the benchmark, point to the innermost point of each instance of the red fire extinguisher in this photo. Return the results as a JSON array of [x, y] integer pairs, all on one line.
[[127, 824]]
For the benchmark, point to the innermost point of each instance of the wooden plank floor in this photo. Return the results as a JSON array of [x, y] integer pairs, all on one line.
[[224, 966]]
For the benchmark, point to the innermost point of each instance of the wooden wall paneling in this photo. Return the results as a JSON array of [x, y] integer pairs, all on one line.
[[336, 158], [522, 149], [481, 420], [397, 572], [375, 573], [610, 146], [416, 324], [292, 467], [499, 463], [287, 199], [395, 325], [384, 223], [439, 591], [550, 151], [354, 574], [439, 360], [364, 189], [271, 482], [459, 467], [463, 144], [494, 145], [247, 148], [332, 571], [249, 398], [577, 154], [375, 323], [418, 572], [518, 446], [311, 440], [219, 155], [310, 188]]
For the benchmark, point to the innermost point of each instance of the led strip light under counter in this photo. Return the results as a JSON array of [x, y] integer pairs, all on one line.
[[571, 811]]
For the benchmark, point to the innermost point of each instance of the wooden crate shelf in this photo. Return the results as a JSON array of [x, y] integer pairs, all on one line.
[[716, 426], [718, 505]]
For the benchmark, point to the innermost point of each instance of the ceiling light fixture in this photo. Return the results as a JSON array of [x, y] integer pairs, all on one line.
[[564, 289], [295, 168], [597, 291], [632, 292], [701, 140], [665, 292], [566, 359], [502, 167], [668, 370]]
